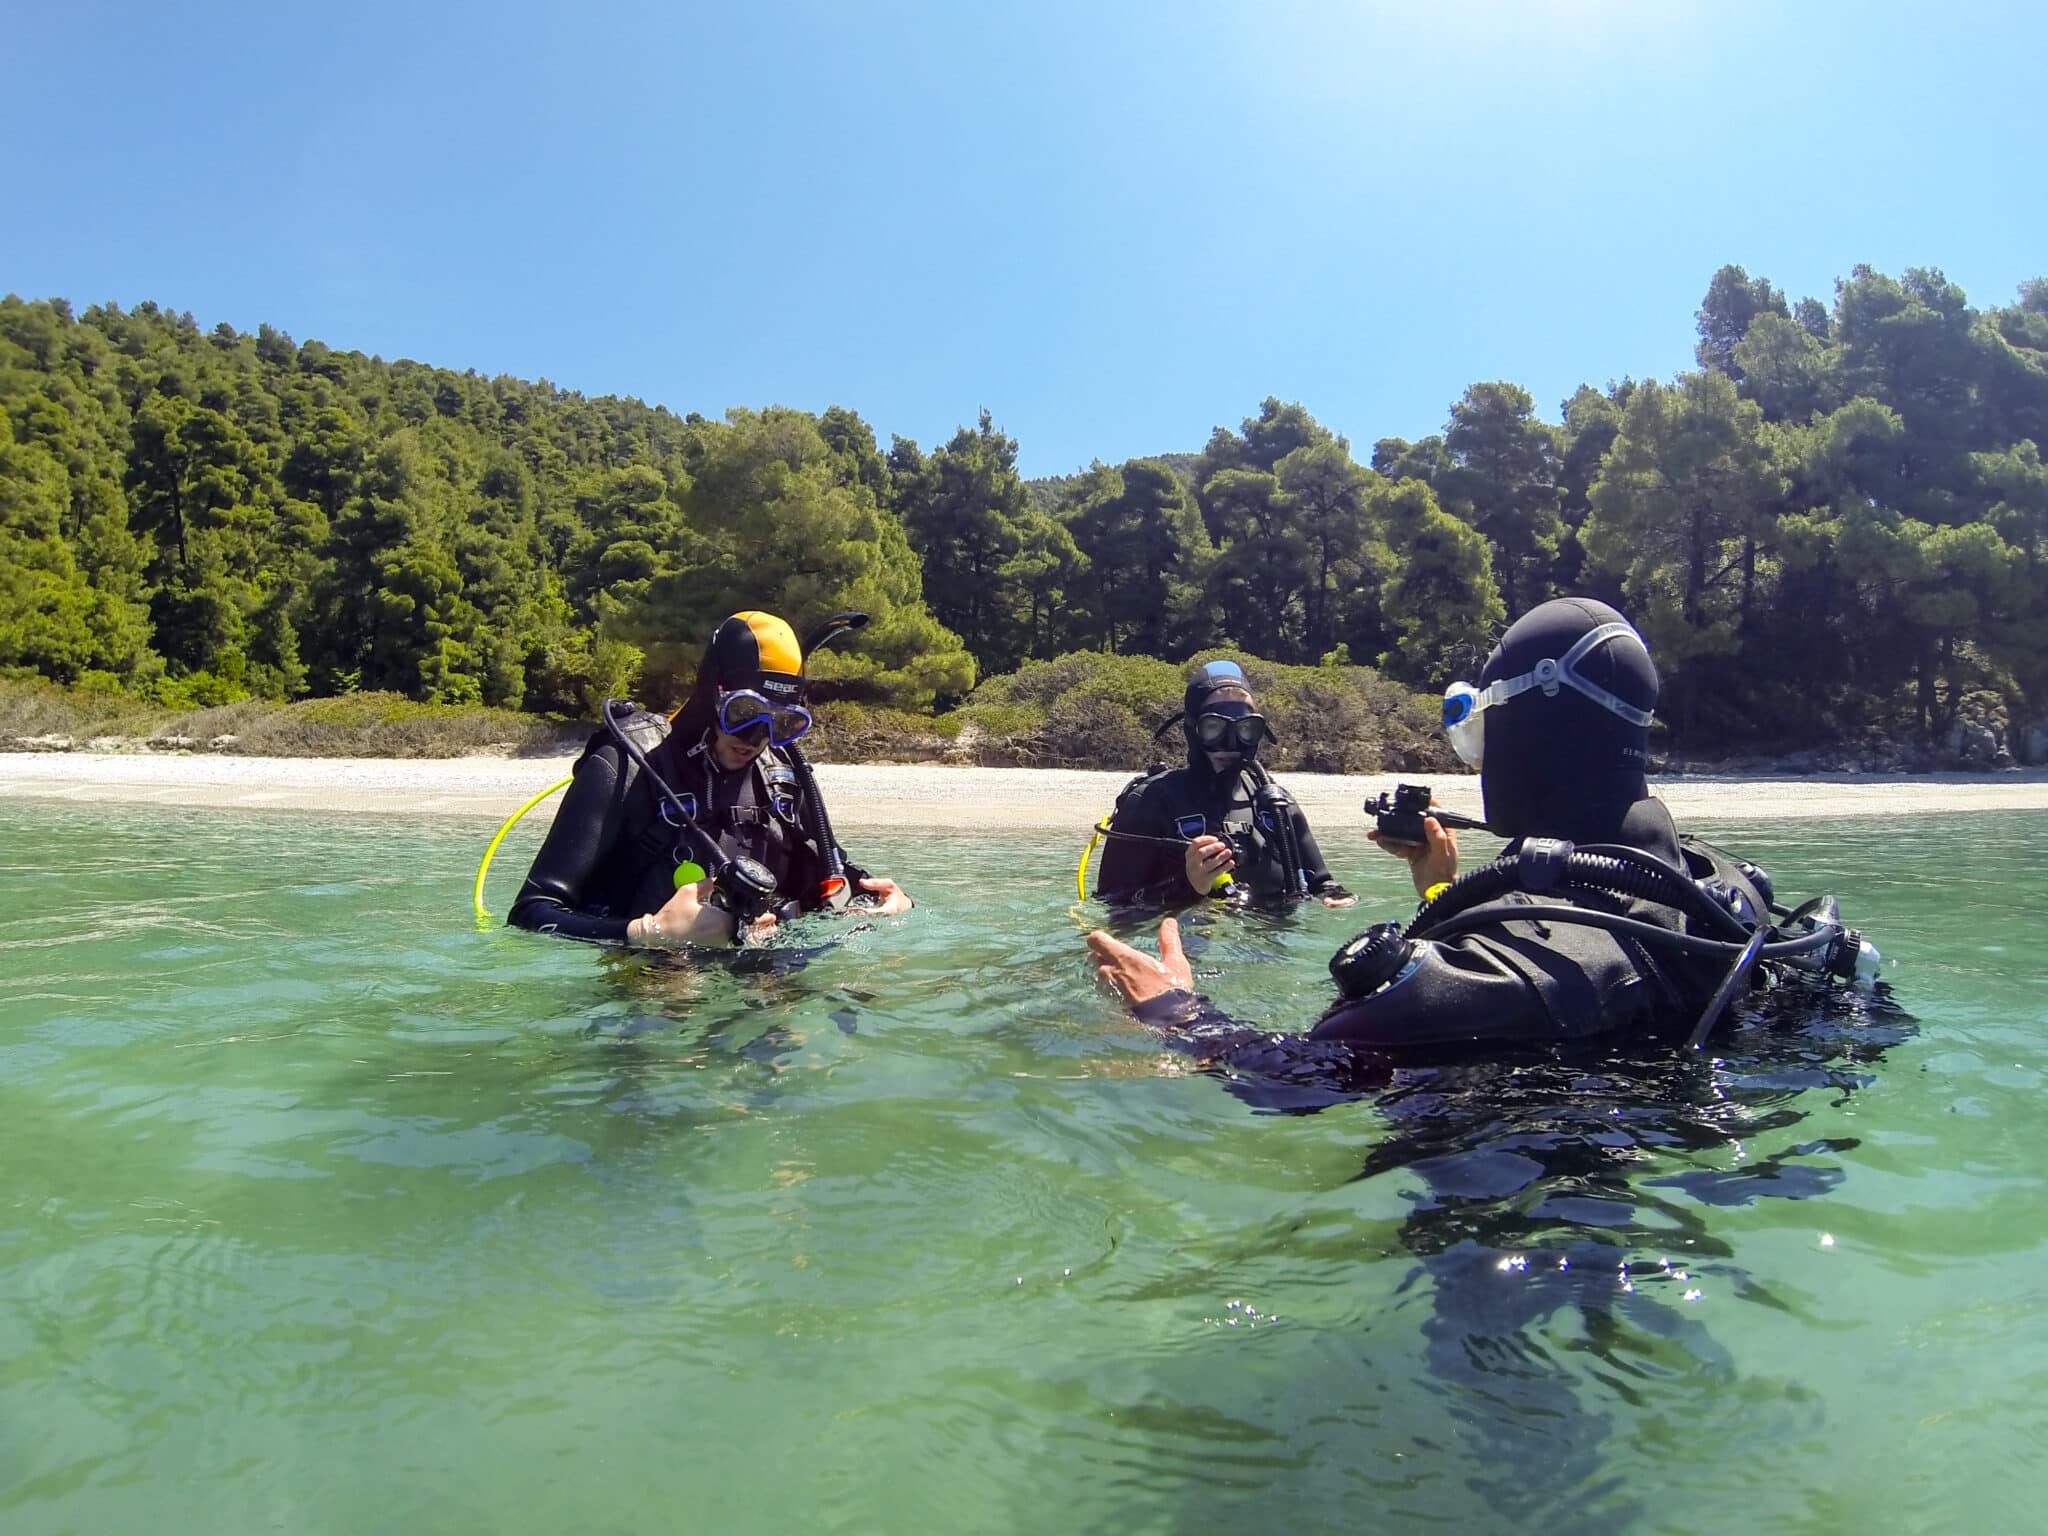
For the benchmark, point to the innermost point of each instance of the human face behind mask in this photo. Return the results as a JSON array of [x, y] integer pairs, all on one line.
[[1228, 731]]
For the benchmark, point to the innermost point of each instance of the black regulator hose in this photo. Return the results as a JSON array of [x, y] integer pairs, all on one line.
[[1546, 865], [817, 820], [1635, 928], [1719, 1001]]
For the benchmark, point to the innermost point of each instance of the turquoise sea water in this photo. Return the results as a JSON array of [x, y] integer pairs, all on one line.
[[325, 1212]]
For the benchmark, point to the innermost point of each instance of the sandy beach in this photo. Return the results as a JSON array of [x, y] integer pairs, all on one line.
[[922, 795]]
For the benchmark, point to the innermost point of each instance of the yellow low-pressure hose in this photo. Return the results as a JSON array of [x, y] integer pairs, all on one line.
[[483, 916], [1081, 869]]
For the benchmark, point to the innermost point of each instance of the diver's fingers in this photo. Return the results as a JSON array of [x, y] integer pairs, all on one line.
[[1104, 948], [1409, 852], [1172, 957]]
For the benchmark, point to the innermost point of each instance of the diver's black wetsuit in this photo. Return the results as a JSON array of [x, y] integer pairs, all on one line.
[[1185, 803], [610, 857], [1514, 982]]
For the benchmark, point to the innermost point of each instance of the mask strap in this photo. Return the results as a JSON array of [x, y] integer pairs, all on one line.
[[1568, 674]]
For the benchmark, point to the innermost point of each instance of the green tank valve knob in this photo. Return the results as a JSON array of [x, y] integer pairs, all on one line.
[[688, 873]]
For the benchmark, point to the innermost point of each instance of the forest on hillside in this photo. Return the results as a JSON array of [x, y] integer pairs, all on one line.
[[1833, 525]]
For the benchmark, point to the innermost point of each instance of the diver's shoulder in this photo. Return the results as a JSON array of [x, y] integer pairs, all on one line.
[[1158, 780]]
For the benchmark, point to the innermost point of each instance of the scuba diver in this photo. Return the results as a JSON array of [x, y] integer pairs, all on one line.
[[1219, 826], [1597, 919], [705, 828]]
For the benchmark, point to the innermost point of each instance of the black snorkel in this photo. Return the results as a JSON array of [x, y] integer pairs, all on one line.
[[744, 887], [817, 821]]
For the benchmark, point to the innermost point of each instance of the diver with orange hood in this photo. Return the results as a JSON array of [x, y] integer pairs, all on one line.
[[703, 828]]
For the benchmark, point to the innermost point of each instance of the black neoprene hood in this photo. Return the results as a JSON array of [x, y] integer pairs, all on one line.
[[1560, 764], [748, 650], [1218, 687]]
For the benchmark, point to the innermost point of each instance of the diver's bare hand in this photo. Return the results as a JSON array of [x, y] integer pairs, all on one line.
[[1340, 901], [1136, 976], [685, 918], [1206, 858], [894, 898], [1431, 861]]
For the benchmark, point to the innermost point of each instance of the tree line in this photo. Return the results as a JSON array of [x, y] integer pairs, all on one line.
[[1833, 524]]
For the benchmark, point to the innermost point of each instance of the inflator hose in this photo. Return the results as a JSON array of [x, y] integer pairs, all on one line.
[[818, 820], [1274, 796]]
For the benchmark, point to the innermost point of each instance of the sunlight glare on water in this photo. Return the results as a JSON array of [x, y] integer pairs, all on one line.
[[326, 1211]]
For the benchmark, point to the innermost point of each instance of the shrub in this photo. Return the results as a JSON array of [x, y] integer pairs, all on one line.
[[37, 708], [852, 732], [380, 725], [1088, 709], [1082, 710]]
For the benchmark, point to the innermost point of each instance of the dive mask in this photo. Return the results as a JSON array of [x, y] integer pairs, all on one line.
[[1465, 706], [1229, 733], [744, 710]]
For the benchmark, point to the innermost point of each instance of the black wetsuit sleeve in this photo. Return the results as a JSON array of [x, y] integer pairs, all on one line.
[[1154, 874], [1274, 1074], [560, 888], [1320, 881]]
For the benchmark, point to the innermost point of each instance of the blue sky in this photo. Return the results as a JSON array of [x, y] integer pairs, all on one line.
[[1113, 225]]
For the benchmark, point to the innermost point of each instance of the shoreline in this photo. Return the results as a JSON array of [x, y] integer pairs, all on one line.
[[937, 796]]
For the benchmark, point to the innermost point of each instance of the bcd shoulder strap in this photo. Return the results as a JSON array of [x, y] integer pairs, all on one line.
[[1151, 775]]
